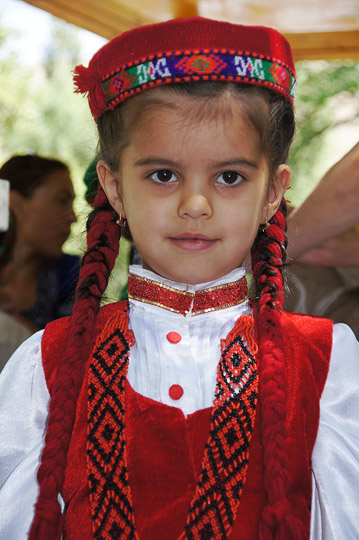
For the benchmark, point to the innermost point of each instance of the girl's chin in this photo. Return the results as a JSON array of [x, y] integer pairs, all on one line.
[[189, 277]]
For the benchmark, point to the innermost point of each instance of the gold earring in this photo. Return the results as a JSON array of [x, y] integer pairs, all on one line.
[[121, 222]]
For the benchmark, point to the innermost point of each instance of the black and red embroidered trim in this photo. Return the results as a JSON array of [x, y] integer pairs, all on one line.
[[224, 467], [110, 494], [215, 502]]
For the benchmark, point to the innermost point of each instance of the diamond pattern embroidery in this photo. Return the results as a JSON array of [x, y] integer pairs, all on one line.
[[187, 65], [280, 76], [109, 490], [117, 84], [201, 64], [225, 462], [215, 502]]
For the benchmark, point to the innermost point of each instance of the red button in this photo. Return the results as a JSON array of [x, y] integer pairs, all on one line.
[[174, 337], [176, 391]]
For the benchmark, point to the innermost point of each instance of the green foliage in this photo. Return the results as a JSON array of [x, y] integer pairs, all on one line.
[[327, 97], [41, 114], [64, 48]]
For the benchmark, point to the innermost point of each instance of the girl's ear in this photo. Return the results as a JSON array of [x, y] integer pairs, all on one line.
[[279, 186], [111, 187]]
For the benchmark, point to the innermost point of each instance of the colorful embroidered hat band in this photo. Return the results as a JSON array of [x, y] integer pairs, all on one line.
[[195, 66], [186, 50]]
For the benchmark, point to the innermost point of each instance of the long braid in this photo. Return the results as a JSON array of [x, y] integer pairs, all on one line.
[[268, 257], [103, 236]]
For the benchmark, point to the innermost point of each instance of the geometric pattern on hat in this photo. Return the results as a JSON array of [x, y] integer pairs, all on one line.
[[195, 66], [184, 50]]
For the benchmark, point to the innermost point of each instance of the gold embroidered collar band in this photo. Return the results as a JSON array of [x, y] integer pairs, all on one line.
[[214, 298]]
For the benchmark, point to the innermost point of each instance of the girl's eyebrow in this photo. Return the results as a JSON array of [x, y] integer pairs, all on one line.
[[154, 161], [237, 162], [220, 164]]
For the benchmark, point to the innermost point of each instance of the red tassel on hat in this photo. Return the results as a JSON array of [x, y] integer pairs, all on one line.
[[89, 82]]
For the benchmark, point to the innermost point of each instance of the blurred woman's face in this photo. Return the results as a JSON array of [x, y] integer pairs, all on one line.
[[43, 221]]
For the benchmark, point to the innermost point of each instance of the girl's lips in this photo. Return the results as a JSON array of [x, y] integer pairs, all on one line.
[[193, 242]]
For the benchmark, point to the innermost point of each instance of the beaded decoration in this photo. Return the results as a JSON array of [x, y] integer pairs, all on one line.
[[183, 302], [215, 502]]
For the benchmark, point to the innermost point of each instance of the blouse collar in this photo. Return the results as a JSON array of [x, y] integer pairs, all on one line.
[[147, 287]]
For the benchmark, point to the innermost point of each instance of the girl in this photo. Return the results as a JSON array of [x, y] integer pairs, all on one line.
[[186, 412]]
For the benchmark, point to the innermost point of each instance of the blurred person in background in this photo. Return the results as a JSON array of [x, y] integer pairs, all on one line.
[[38, 280], [12, 332]]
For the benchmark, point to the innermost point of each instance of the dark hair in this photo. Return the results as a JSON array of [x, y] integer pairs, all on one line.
[[272, 116], [7, 242], [268, 112], [27, 172]]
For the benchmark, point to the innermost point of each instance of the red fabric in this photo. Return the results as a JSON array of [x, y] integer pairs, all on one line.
[[191, 34], [55, 335], [165, 452], [165, 449]]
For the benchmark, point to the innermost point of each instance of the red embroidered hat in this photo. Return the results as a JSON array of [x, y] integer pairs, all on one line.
[[184, 50]]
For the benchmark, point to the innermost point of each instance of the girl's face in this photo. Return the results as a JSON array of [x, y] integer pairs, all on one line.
[[194, 192]]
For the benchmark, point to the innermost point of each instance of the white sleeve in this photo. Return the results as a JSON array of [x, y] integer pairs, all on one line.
[[24, 402], [335, 459]]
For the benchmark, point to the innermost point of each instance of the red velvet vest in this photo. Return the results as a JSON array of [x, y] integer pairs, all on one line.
[[165, 449]]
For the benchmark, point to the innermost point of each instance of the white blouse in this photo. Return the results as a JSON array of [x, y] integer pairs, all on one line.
[[155, 365]]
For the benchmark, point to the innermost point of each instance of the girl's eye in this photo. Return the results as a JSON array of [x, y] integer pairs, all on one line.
[[230, 178], [164, 176]]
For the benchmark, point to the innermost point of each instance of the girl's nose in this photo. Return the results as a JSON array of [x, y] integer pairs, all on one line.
[[195, 205]]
